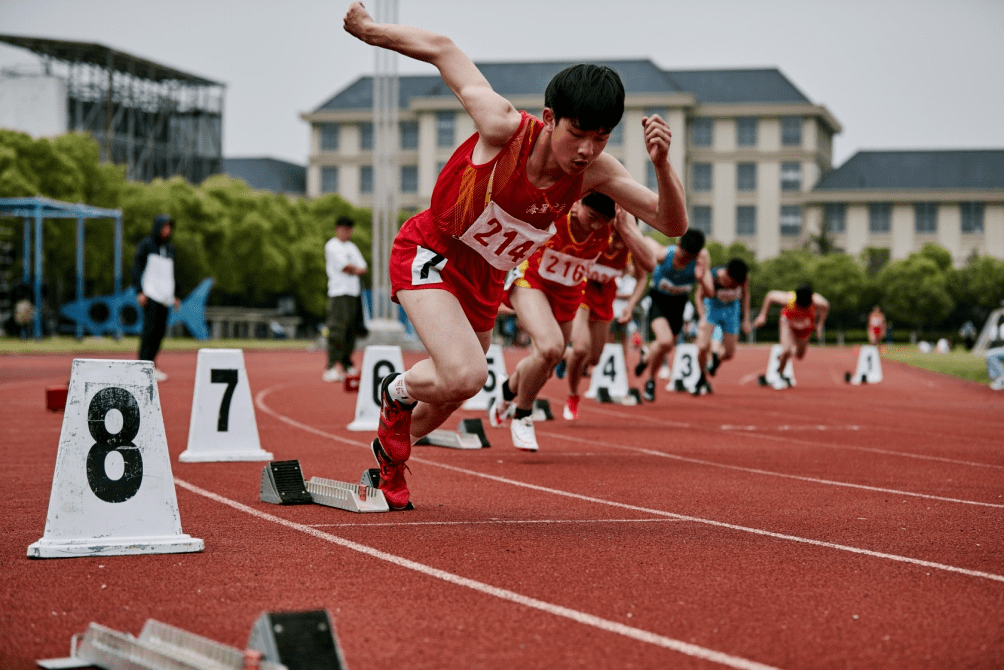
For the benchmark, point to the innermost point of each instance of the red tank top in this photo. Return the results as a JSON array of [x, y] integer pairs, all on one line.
[[801, 319], [563, 258], [463, 190], [612, 260]]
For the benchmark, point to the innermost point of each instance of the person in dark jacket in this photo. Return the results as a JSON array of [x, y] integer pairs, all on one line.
[[153, 275]]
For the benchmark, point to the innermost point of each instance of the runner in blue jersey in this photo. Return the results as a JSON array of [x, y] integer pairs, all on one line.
[[679, 267], [728, 306]]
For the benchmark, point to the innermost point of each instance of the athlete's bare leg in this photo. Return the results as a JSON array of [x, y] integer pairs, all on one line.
[[660, 347], [547, 344], [456, 368], [580, 351]]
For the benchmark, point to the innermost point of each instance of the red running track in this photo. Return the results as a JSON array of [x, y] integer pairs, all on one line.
[[826, 526]]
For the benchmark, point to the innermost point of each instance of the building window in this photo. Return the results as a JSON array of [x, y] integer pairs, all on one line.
[[746, 176], [879, 217], [409, 179], [836, 217], [925, 217], [616, 138], [791, 176], [791, 131], [746, 131], [366, 179], [409, 134], [791, 220], [329, 179], [702, 177], [701, 131], [745, 220], [329, 136], [366, 136], [700, 219], [972, 217], [445, 128]]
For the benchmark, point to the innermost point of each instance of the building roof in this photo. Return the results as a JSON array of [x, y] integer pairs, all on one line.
[[765, 85], [509, 79], [933, 169], [69, 51], [268, 174]]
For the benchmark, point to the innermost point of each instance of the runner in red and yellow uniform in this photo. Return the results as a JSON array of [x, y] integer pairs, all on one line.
[[492, 206], [591, 325], [802, 312]]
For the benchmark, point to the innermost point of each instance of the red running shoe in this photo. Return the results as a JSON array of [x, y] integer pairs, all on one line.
[[392, 483], [394, 430]]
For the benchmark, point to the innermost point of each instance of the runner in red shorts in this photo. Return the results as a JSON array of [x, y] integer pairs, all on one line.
[[591, 326], [493, 204], [802, 312], [546, 292]]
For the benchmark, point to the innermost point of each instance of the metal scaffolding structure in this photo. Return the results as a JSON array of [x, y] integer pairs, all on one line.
[[153, 119]]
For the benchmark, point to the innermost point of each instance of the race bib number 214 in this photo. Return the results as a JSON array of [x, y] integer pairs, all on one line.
[[503, 240]]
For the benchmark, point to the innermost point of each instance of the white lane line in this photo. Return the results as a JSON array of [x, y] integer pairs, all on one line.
[[503, 594], [769, 473], [655, 512], [791, 440], [496, 522]]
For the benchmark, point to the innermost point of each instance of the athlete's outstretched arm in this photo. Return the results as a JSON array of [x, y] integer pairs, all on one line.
[[772, 298], [635, 241], [665, 211], [495, 117]]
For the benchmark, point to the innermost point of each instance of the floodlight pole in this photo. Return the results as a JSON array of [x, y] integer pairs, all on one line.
[[385, 123]]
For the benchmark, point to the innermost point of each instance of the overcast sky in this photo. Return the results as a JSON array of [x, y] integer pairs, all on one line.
[[897, 74]]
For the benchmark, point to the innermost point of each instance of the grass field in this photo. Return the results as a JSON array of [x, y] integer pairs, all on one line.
[[958, 363]]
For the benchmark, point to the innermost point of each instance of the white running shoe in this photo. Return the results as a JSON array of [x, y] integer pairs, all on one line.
[[333, 375], [523, 435], [499, 409], [998, 384], [779, 384]]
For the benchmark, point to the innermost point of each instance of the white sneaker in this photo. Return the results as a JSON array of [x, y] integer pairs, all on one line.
[[333, 375], [779, 384], [998, 384], [523, 435], [499, 410], [159, 375]]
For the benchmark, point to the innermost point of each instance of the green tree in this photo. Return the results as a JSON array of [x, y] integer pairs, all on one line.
[[841, 279], [915, 291]]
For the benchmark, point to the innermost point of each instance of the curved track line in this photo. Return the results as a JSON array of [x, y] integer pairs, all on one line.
[[757, 471], [259, 400], [791, 440], [487, 589]]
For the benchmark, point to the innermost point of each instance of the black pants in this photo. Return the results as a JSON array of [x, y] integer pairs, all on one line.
[[154, 327], [342, 314]]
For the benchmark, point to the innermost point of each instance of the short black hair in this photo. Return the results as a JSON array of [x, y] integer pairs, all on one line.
[[602, 204], [692, 241], [590, 95], [737, 269], [345, 221], [803, 295]]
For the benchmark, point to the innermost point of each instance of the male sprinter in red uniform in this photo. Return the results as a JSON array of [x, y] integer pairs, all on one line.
[[546, 292], [493, 204], [591, 326], [802, 312]]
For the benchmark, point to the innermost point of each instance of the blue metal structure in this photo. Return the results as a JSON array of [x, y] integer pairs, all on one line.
[[37, 209]]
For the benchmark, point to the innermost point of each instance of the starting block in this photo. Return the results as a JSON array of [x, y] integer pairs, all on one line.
[[282, 484], [297, 640], [610, 373], [632, 398], [470, 434], [542, 410], [371, 478]]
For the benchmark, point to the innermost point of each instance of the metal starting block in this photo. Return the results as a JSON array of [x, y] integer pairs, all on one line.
[[371, 478], [343, 495], [159, 647], [542, 410], [632, 398], [470, 434], [849, 378], [282, 483]]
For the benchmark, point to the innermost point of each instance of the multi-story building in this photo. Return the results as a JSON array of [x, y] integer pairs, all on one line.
[[901, 200], [755, 154], [748, 145]]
